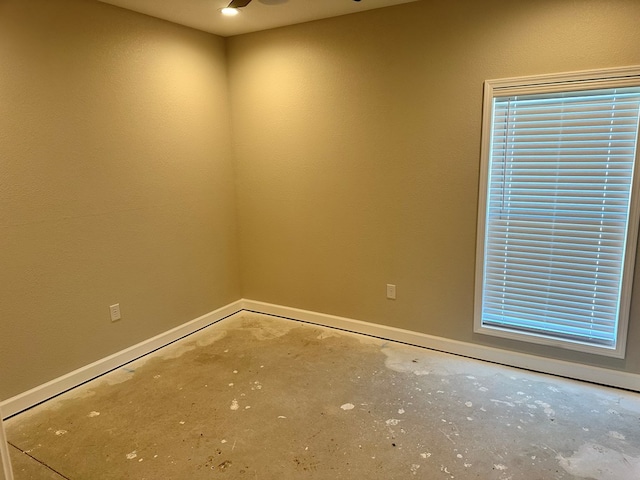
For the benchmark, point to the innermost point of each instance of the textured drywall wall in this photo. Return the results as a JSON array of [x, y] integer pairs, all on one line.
[[116, 183], [357, 142]]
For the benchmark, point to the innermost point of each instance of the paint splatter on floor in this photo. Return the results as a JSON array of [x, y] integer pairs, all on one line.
[[596, 461], [260, 397]]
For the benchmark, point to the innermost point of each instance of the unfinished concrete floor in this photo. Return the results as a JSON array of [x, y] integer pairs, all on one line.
[[258, 397]]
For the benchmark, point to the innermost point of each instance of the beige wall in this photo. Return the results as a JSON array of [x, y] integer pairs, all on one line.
[[116, 183], [357, 147], [356, 142]]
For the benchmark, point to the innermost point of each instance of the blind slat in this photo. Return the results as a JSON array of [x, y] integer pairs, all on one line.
[[560, 176]]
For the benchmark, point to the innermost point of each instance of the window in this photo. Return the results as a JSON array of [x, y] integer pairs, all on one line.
[[558, 209]]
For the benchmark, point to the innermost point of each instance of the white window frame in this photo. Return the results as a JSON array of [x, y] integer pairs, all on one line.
[[5, 460], [572, 81]]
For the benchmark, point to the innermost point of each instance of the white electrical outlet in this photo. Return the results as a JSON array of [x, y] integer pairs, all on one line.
[[114, 310], [391, 291]]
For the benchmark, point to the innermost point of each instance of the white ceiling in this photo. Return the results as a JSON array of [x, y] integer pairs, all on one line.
[[258, 15]]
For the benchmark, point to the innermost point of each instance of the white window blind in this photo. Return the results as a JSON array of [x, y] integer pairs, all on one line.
[[557, 208]]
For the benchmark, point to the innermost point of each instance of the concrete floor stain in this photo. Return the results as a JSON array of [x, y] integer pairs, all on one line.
[[255, 396]]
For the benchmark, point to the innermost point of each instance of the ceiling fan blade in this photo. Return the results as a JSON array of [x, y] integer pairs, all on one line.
[[239, 3]]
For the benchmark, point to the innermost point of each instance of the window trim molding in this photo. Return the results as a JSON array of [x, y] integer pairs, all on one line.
[[573, 81]]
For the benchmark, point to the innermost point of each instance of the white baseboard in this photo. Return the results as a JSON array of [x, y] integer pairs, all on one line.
[[602, 376], [66, 382]]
